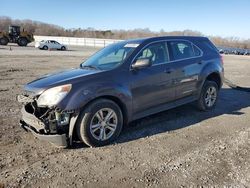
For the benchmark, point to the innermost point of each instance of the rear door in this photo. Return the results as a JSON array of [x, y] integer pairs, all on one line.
[[47, 43], [188, 64], [50, 44], [150, 87]]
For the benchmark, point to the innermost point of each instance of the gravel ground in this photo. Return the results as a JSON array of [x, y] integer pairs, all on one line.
[[177, 148]]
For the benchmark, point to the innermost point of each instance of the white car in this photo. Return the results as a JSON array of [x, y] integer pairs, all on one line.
[[50, 44]]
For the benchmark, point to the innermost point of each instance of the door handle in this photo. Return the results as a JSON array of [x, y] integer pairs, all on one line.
[[199, 62], [169, 71]]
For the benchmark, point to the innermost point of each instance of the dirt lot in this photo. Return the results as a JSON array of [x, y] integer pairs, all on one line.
[[177, 148]]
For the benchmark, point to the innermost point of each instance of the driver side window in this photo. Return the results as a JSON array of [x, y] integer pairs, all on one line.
[[156, 53], [145, 54]]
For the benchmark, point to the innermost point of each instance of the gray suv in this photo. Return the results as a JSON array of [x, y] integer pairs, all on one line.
[[119, 84]]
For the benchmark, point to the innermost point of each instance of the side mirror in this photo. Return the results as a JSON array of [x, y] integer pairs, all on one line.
[[141, 63]]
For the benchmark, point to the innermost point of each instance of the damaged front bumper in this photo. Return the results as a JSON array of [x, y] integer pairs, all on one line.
[[57, 139], [30, 123], [48, 124]]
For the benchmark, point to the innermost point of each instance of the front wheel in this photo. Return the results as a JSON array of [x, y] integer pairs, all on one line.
[[63, 48], [100, 123], [208, 96]]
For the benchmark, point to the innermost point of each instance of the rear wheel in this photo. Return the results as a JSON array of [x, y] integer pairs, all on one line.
[[22, 42], [45, 47], [63, 48], [100, 123], [4, 41], [208, 96]]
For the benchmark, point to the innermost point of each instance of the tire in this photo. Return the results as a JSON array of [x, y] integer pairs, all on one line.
[[22, 42], [209, 91], [89, 127], [63, 48], [4, 41], [45, 47]]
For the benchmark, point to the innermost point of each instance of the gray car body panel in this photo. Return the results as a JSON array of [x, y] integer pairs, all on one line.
[[131, 87]]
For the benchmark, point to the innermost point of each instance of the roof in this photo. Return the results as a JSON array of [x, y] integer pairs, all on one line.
[[174, 37], [151, 39]]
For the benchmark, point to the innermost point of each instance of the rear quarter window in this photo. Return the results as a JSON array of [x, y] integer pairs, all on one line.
[[208, 47], [197, 52]]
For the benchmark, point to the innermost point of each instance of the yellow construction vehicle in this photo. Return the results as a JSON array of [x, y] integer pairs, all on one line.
[[22, 38]]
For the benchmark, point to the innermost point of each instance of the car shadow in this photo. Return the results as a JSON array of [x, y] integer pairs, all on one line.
[[229, 102]]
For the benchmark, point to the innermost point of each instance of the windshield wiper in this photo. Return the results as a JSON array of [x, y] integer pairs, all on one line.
[[90, 67]]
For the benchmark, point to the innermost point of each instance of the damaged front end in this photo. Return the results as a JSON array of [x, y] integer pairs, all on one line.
[[47, 123]]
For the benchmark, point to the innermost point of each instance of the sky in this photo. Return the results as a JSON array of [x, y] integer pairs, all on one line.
[[226, 18]]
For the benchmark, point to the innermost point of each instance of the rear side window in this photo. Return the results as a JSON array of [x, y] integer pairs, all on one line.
[[182, 50], [156, 52]]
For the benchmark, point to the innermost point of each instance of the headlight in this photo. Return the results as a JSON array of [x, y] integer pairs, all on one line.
[[53, 96]]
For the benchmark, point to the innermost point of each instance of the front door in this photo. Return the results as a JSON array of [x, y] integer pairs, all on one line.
[[152, 86]]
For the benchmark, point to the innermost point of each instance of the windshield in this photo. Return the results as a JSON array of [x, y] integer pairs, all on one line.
[[110, 57]]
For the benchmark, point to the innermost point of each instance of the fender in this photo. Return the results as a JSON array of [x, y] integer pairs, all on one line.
[[86, 94], [80, 97], [209, 68]]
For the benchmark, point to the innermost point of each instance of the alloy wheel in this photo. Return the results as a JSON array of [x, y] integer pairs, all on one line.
[[103, 124], [211, 96]]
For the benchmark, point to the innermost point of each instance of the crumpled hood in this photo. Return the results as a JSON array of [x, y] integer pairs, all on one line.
[[51, 80]]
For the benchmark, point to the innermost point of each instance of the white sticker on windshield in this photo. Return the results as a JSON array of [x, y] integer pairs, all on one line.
[[131, 45]]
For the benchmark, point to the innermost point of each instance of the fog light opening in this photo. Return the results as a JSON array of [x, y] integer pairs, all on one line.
[[62, 118]]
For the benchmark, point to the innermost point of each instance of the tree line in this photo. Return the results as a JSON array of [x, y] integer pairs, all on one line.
[[40, 28]]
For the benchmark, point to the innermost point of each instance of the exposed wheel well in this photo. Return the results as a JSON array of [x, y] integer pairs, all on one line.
[[215, 77], [118, 102]]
